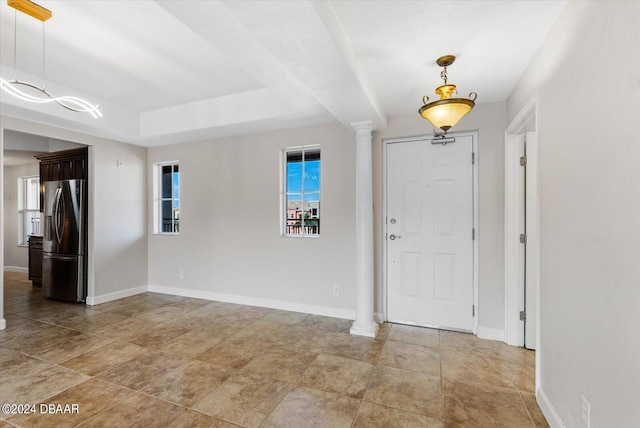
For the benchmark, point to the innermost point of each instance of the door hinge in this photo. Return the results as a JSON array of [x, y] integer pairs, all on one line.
[[473, 158], [523, 316], [473, 234], [473, 310], [523, 238], [523, 161]]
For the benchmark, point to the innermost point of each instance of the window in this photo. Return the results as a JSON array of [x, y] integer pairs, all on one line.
[[301, 191], [28, 208], [167, 187]]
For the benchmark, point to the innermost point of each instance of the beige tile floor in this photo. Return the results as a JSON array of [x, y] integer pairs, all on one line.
[[155, 360]]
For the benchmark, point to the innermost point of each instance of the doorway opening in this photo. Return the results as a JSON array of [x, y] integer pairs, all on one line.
[[522, 231]]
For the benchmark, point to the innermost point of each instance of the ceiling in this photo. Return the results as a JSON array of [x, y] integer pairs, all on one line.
[[176, 71]]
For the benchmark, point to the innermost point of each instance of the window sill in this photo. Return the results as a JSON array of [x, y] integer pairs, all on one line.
[[23, 245], [301, 236], [165, 234]]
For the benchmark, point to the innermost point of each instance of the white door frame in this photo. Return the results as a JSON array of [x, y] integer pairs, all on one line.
[[525, 122], [474, 136]]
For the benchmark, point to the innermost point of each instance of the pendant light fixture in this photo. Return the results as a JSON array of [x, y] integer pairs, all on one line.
[[447, 111], [39, 94]]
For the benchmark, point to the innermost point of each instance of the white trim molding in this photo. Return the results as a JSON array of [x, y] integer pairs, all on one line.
[[490, 333], [3, 323], [548, 410], [17, 269], [256, 301], [96, 300]]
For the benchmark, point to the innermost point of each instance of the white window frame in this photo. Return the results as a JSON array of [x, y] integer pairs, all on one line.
[[23, 211], [283, 190], [158, 199]]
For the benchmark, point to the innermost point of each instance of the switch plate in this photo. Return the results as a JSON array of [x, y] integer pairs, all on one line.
[[336, 290], [180, 274]]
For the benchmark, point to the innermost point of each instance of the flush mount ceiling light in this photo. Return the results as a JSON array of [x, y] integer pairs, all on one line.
[[447, 111], [39, 94]]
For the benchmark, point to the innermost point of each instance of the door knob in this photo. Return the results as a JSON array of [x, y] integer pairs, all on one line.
[[394, 236]]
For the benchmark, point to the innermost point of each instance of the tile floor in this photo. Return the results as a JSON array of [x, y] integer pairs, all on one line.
[[156, 360]]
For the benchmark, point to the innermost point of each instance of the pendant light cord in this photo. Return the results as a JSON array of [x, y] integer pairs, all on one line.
[[15, 40], [44, 77]]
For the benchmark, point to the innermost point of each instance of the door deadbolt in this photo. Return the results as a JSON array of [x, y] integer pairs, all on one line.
[[394, 236], [392, 221]]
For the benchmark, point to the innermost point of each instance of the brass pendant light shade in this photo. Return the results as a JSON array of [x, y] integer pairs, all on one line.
[[447, 111]]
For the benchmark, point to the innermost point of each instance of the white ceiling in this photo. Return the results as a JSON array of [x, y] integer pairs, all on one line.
[[175, 71]]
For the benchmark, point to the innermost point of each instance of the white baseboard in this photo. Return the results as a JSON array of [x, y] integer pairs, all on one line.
[[490, 333], [96, 300], [378, 317], [16, 269], [3, 323], [548, 410], [257, 301]]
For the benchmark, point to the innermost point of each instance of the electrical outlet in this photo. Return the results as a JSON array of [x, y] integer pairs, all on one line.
[[585, 412], [336, 290], [180, 274]]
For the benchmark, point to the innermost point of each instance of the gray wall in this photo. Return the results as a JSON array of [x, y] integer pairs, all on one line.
[[587, 76], [230, 246], [120, 217]]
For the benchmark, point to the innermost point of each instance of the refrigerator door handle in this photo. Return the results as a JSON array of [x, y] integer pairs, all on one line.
[[58, 257], [58, 215]]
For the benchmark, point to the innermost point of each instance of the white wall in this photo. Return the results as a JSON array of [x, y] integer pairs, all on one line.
[[230, 247], [117, 205], [15, 256], [489, 121], [588, 78]]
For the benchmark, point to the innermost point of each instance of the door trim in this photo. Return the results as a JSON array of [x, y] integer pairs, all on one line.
[[383, 232], [525, 122]]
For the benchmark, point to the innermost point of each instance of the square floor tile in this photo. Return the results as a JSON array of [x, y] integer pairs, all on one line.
[[98, 360], [411, 357], [244, 400], [483, 405], [234, 353], [340, 375], [282, 363], [141, 371], [421, 336], [405, 390], [188, 383], [315, 408], [139, 411], [371, 415], [92, 397], [40, 385]]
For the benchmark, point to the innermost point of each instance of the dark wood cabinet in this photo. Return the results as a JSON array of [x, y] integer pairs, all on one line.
[[62, 165], [35, 260]]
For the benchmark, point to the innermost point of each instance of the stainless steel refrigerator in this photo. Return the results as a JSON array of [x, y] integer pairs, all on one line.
[[64, 241]]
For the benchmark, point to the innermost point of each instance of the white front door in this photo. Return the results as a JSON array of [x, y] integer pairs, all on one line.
[[429, 223]]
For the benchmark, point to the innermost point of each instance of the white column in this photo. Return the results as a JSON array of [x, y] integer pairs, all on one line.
[[364, 325]]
